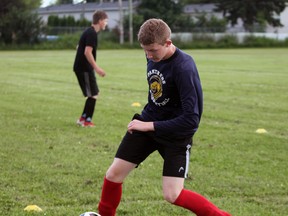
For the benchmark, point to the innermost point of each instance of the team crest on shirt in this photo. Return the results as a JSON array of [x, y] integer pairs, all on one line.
[[156, 81]]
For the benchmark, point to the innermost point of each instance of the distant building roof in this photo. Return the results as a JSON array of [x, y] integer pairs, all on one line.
[[88, 7], [86, 10]]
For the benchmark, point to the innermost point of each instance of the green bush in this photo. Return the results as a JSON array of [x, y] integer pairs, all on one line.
[[285, 42], [253, 41], [110, 40], [228, 41]]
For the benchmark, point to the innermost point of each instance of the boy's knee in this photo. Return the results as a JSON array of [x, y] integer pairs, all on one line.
[[95, 96], [111, 176], [170, 195]]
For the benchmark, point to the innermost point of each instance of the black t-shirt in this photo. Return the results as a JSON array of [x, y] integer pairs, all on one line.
[[88, 38]]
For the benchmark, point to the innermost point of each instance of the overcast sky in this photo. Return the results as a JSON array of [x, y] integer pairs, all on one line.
[[47, 2]]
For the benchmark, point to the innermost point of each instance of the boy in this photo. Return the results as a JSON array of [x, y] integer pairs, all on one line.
[[85, 67], [167, 124]]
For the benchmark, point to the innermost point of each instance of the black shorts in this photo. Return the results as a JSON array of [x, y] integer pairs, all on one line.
[[136, 147], [87, 82]]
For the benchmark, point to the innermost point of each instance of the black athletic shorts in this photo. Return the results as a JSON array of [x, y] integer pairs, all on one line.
[[87, 82], [136, 147]]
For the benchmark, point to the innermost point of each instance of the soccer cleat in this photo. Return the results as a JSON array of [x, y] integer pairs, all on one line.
[[88, 124], [80, 121], [90, 214]]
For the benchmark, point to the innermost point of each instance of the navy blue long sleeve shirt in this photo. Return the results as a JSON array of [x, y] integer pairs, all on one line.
[[175, 98]]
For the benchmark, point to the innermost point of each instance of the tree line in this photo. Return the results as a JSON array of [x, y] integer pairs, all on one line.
[[20, 23]]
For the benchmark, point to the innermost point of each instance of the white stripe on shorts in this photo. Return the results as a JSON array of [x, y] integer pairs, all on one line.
[[87, 85], [187, 160]]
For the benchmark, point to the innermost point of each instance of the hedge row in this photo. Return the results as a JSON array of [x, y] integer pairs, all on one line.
[[109, 41]]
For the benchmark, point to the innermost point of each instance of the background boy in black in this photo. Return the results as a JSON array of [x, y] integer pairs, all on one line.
[[85, 66], [88, 38]]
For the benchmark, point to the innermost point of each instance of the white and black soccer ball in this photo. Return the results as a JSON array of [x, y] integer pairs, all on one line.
[[90, 214]]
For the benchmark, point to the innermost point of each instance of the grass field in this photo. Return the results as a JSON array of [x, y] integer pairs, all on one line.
[[48, 161]]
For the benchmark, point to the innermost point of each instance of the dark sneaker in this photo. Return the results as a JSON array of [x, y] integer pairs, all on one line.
[[88, 124], [80, 121]]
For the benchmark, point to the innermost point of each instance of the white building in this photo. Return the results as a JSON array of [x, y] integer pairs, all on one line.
[[86, 11], [284, 20], [112, 8], [208, 9]]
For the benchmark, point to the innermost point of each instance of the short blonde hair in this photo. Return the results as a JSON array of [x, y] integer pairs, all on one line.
[[154, 31]]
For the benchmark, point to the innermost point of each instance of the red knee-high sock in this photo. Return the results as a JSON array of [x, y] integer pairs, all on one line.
[[110, 198], [198, 204]]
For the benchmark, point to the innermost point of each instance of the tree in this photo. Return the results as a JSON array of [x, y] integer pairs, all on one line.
[[213, 24], [59, 2], [169, 10], [6, 5], [251, 12], [19, 22]]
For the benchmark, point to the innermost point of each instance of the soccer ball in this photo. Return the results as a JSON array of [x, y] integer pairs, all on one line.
[[90, 214]]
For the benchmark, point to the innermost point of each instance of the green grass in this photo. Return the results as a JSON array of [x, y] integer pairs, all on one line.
[[45, 159]]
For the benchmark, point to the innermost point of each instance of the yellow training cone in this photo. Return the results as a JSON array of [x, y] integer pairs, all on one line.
[[261, 131], [136, 104], [33, 208]]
